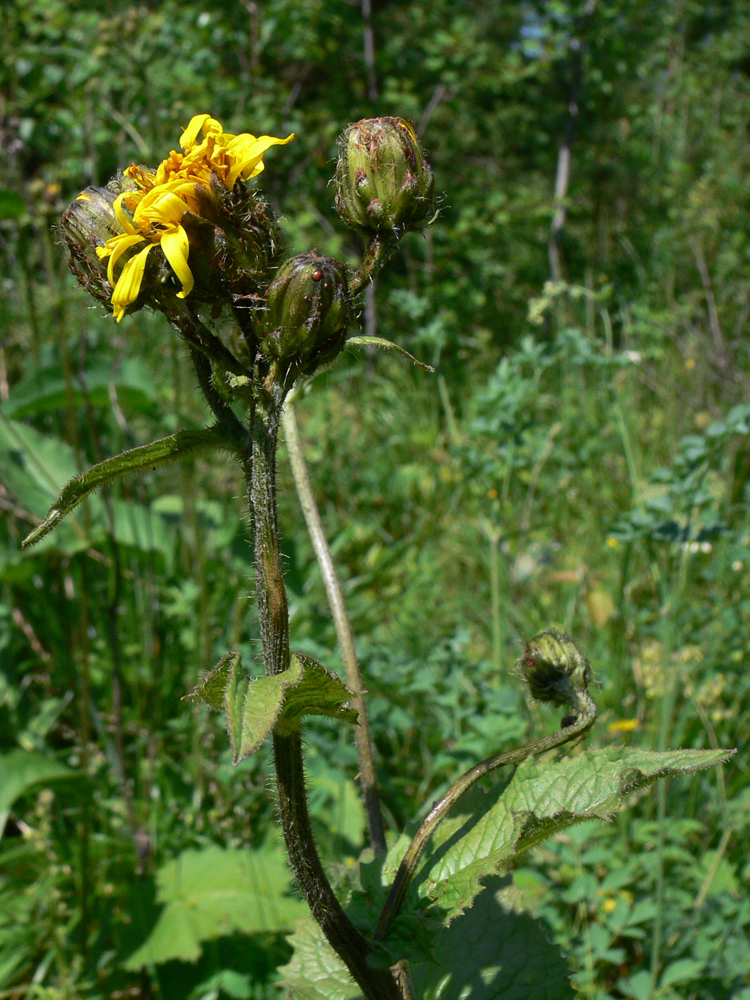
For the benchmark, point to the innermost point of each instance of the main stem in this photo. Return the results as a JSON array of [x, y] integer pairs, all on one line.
[[273, 612]]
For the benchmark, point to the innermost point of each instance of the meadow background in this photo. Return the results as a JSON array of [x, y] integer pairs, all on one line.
[[581, 456]]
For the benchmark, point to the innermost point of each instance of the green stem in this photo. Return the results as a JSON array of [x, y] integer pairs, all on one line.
[[341, 622], [342, 935], [407, 869], [377, 252], [236, 431]]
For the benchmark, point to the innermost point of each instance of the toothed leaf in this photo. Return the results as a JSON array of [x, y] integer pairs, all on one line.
[[488, 831], [256, 706]]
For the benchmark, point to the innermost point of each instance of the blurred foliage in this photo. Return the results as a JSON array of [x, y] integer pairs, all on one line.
[[581, 456]]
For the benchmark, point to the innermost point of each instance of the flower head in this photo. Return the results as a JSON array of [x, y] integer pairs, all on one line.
[[383, 181], [153, 213]]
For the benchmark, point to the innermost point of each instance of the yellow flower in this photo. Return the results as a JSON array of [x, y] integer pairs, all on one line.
[[623, 726], [153, 212]]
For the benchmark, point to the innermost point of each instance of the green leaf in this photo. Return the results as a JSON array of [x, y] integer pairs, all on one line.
[[638, 986], [255, 707], [493, 952], [34, 465], [12, 205], [315, 971], [21, 770], [147, 456], [488, 831], [48, 392], [213, 893], [684, 970], [388, 345]]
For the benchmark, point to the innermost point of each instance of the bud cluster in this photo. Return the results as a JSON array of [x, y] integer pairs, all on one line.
[[193, 229]]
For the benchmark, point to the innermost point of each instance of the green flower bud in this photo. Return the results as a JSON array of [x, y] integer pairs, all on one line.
[[308, 312], [554, 668], [87, 223], [383, 183]]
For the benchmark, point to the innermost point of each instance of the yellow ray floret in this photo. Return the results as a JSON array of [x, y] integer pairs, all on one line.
[[152, 213]]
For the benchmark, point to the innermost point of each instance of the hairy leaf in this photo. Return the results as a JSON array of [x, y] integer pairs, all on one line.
[[255, 707], [489, 830], [147, 456], [388, 345], [493, 952]]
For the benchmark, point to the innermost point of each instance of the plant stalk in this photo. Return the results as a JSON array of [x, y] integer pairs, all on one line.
[[273, 612], [407, 869], [377, 253], [341, 622]]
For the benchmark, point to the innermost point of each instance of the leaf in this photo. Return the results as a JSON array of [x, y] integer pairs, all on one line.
[[213, 893], [315, 972], [493, 952], [255, 707], [21, 770], [48, 392], [147, 456], [388, 345], [684, 970], [540, 799]]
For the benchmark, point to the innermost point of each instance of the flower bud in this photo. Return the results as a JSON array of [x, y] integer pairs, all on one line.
[[87, 223], [554, 668], [383, 183], [308, 312]]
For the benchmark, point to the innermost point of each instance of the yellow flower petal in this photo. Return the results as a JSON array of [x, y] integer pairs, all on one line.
[[115, 248], [129, 283], [188, 137], [122, 218], [176, 248], [249, 155]]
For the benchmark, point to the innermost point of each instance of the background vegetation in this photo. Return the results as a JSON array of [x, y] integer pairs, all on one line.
[[581, 456]]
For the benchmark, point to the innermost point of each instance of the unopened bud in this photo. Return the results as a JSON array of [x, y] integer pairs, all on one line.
[[383, 183], [554, 667], [87, 223], [308, 312]]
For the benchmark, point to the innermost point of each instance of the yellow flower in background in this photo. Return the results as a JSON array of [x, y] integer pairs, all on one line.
[[623, 726], [152, 213]]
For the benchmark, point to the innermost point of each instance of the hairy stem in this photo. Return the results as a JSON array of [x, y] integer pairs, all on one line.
[[235, 429], [377, 253], [341, 621], [407, 869], [342, 935]]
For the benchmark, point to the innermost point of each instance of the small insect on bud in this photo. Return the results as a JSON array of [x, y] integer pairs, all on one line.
[[307, 312], [555, 669], [383, 182]]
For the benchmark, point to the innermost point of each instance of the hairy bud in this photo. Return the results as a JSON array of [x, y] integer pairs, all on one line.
[[383, 183], [307, 312], [87, 223], [554, 668]]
